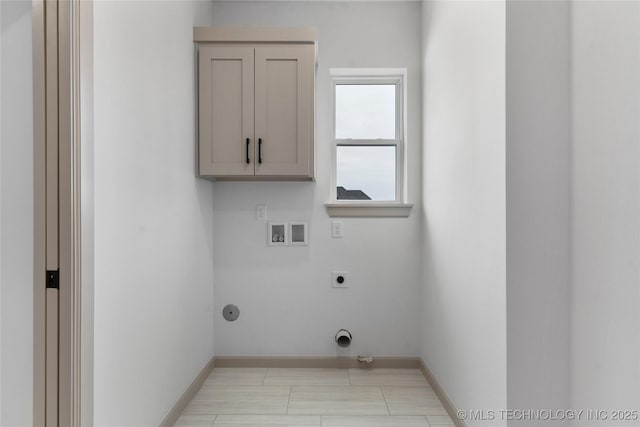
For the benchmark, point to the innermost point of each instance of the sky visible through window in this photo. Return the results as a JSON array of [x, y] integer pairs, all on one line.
[[366, 112], [371, 169]]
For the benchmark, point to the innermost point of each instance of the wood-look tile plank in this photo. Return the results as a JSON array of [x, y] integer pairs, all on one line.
[[195, 421], [381, 398], [337, 400], [388, 377], [304, 376], [260, 400], [236, 376], [440, 420], [413, 401], [267, 421], [373, 421]]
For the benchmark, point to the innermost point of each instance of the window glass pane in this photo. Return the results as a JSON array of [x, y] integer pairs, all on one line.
[[366, 173], [366, 111]]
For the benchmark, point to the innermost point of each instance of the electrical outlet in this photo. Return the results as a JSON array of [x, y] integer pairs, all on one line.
[[339, 279], [337, 229]]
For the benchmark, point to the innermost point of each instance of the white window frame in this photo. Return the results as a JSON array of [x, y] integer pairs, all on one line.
[[372, 76]]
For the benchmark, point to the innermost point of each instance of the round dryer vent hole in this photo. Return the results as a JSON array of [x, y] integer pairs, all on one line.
[[230, 312], [343, 338]]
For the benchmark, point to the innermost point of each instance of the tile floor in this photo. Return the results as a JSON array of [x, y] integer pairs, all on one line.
[[261, 397]]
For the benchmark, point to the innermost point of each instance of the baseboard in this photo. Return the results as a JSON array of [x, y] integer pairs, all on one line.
[[188, 394], [314, 362], [442, 395]]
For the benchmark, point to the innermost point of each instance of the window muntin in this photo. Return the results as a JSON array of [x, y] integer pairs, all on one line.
[[368, 136]]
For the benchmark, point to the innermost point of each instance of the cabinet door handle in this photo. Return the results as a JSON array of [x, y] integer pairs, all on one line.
[[260, 150], [248, 140]]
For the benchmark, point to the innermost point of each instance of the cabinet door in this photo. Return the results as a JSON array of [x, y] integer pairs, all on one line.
[[284, 98], [226, 86]]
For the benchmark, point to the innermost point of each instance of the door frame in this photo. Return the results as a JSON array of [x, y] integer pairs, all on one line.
[[63, 119]]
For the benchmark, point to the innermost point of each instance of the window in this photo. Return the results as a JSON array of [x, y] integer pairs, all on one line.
[[369, 135]]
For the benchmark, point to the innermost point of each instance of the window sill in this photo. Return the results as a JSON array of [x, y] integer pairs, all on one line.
[[341, 210]]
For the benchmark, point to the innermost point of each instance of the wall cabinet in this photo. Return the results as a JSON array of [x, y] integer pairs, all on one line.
[[256, 104]]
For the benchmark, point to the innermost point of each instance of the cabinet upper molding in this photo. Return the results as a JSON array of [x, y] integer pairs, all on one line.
[[255, 34]]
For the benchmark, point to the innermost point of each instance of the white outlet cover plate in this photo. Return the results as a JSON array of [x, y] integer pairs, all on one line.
[[261, 212], [334, 279], [337, 229]]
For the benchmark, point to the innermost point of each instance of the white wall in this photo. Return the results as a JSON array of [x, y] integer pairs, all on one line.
[[153, 217], [287, 305], [573, 346], [605, 297], [16, 213], [538, 162], [464, 295], [1, 214], [464, 323], [87, 213], [572, 202]]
